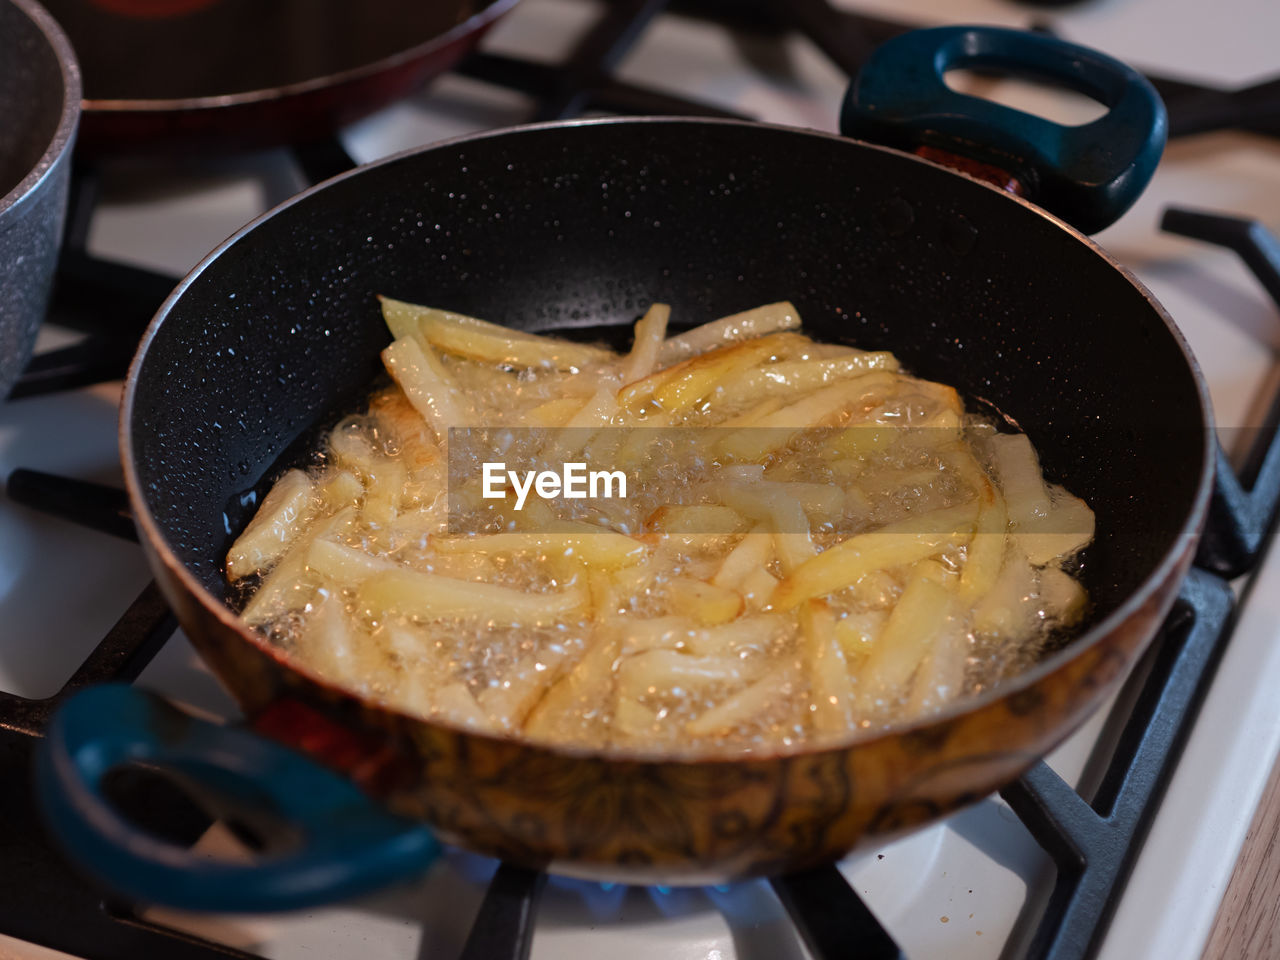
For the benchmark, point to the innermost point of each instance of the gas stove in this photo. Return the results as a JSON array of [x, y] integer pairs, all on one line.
[[1171, 772]]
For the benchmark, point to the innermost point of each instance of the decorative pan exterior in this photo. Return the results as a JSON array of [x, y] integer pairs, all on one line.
[[649, 821]]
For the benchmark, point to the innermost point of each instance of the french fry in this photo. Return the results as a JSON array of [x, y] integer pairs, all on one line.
[[686, 387], [429, 596], [403, 428], [285, 512], [1007, 609], [594, 545], [757, 589], [986, 549], [776, 687], [820, 502], [509, 701], [555, 413], [387, 481], [830, 688], [650, 331], [676, 389], [921, 614], [1062, 596], [682, 633], [789, 377], [558, 717], [481, 340], [1018, 469], [705, 603], [753, 552], [423, 666], [773, 432], [785, 516], [454, 703], [858, 441], [658, 633], [328, 641], [287, 587], [1067, 528], [343, 564], [658, 671], [338, 489], [596, 412], [427, 385], [940, 677], [756, 413], [757, 322], [857, 633], [891, 546], [698, 519], [745, 634], [632, 720]]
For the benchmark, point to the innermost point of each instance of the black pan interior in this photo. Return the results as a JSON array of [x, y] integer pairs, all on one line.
[[583, 226]]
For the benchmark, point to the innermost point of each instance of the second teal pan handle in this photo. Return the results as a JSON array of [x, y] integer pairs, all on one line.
[[344, 843]]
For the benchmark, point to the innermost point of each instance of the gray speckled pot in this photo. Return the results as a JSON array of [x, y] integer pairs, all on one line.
[[39, 114]]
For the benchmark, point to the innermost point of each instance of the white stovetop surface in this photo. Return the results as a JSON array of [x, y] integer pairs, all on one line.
[[948, 892]]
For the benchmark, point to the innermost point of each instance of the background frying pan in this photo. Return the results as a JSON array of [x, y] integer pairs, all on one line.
[[580, 226], [219, 74]]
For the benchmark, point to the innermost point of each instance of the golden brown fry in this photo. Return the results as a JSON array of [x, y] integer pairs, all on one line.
[[678, 388], [773, 432], [891, 546], [757, 322], [791, 377]]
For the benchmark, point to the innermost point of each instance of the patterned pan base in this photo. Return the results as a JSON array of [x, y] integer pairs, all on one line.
[[643, 821]]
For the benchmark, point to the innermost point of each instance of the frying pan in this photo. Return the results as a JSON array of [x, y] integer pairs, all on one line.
[[233, 74], [577, 227], [40, 104]]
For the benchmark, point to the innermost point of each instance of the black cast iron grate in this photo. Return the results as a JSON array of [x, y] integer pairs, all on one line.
[[1091, 842]]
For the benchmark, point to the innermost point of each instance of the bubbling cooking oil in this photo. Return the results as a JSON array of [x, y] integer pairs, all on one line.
[[665, 653]]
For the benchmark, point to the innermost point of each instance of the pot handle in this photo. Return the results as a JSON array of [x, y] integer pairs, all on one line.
[[1088, 175], [346, 844]]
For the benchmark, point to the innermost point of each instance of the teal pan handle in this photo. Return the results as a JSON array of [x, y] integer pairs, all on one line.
[[342, 842], [1088, 175]]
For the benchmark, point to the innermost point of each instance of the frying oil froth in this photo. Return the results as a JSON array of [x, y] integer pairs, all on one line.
[[813, 545]]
